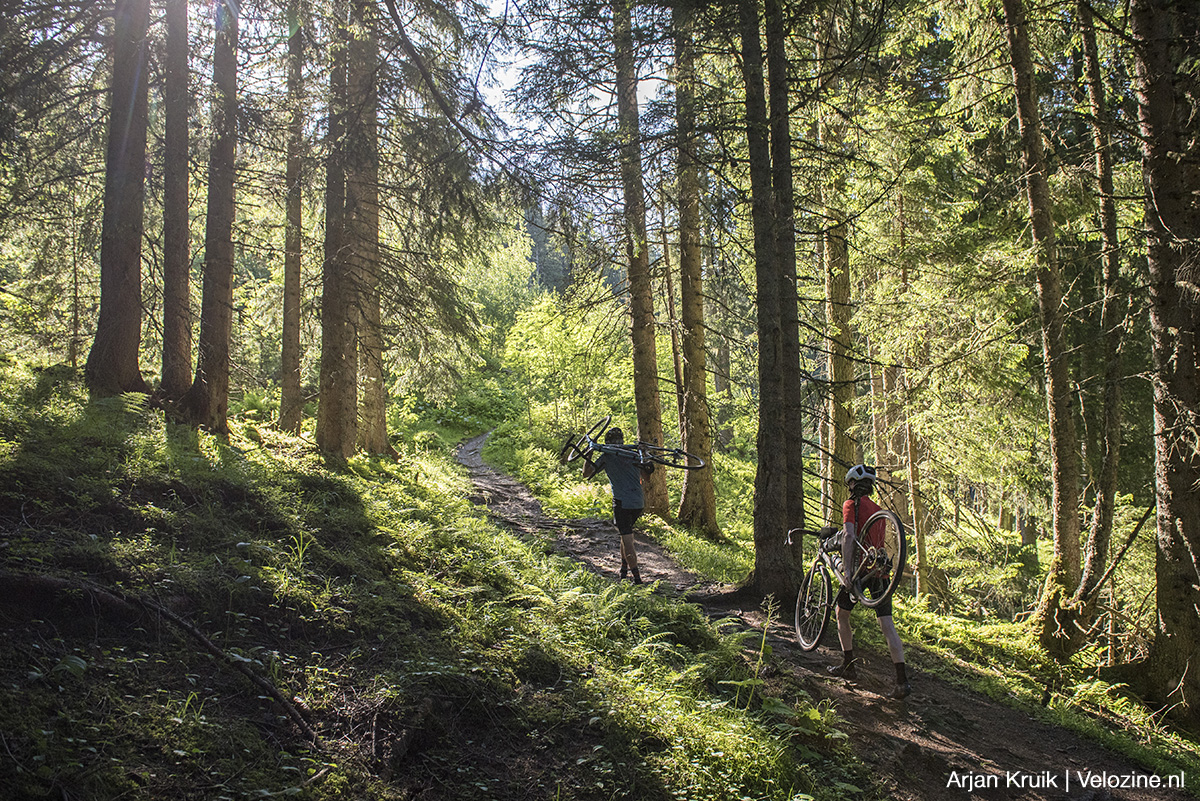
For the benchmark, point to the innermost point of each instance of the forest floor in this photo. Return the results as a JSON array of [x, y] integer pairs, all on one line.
[[944, 742]]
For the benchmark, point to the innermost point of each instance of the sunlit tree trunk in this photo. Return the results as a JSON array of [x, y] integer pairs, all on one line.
[[1110, 318], [641, 292], [76, 323], [112, 363], [177, 304], [841, 369], [841, 447], [879, 421], [1166, 37], [698, 505], [1111, 329], [337, 403], [207, 402], [916, 510], [291, 403], [723, 389], [773, 561], [1063, 575], [673, 324], [362, 222], [913, 449]]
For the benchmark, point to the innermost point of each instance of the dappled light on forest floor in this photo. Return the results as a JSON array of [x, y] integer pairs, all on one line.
[[946, 741]]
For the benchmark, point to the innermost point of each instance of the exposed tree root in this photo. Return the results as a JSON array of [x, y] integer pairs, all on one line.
[[29, 588]]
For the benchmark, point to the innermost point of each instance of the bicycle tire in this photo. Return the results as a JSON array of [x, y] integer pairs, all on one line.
[[578, 446], [895, 558], [674, 457], [570, 451], [812, 607]]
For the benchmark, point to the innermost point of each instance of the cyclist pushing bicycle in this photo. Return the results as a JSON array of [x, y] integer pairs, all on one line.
[[856, 511]]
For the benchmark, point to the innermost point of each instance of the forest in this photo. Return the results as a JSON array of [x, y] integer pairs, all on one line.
[[266, 266]]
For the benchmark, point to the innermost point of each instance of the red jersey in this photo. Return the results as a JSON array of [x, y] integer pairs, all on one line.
[[866, 508]]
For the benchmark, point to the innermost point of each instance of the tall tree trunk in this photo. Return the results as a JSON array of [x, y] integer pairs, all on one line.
[[207, 401], [76, 339], [112, 363], [916, 510], [1111, 329], [841, 369], [673, 324], [177, 303], [291, 405], [698, 505], [913, 448], [337, 405], [1063, 575], [641, 292], [362, 221], [1165, 39], [841, 452], [773, 561], [779, 82], [879, 422], [723, 388]]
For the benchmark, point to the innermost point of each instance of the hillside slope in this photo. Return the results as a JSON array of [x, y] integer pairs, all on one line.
[[944, 742]]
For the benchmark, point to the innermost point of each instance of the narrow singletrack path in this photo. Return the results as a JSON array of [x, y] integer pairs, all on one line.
[[944, 742]]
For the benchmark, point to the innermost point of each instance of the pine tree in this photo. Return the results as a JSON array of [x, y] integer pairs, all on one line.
[[177, 306], [207, 401], [337, 405], [645, 352], [1063, 576], [773, 562], [112, 364], [291, 404], [697, 505], [1166, 36]]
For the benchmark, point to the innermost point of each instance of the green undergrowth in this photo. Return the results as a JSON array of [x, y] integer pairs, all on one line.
[[531, 455], [992, 655], [435, 655], [1002, 660]]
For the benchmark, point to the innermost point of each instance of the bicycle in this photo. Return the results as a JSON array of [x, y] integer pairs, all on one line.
[[641, 452], [878, 573]]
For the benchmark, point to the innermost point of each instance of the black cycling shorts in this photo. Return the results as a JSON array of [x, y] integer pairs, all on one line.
[[625, 518], [875, 585]]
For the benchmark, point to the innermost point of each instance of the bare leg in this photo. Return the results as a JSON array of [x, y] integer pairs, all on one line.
[[895, 647], [845, 633], [629, 556]]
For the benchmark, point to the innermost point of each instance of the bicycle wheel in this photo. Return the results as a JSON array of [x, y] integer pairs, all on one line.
[[812, 607], [578, 446], [883, 565], [673, 457]]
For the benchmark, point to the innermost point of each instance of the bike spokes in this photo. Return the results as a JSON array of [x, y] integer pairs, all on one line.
[[812, 607], [883, 554]]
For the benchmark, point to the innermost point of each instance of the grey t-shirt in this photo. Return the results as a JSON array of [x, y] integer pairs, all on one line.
[[625, 477]]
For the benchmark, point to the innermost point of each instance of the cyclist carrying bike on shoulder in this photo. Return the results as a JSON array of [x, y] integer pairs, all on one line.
[[625, 475], [859, 507]]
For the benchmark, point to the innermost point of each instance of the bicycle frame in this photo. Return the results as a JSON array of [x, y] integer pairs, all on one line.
[[876, 568], [640, 452]]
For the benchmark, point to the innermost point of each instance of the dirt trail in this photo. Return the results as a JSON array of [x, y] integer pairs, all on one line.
[[943, 742]]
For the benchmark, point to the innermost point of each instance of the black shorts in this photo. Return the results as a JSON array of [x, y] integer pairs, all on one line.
[[625, 518], [875, 585]]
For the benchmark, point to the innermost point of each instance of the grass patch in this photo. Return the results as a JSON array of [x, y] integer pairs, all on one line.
[[987, 653], [435, 654], [1002, 660]]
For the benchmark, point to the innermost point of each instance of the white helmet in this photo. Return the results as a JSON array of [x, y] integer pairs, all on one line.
[[861, 472]]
